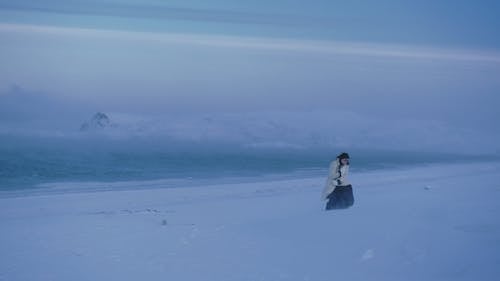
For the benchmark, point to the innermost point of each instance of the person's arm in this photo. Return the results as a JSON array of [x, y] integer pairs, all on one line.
[[335, 173], [342, 176], [330, 183]]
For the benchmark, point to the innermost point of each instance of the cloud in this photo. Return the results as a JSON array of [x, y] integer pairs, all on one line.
[[356, 49], [20, 107], [29, 113], [297, 130], [144, 72], [157, 11]]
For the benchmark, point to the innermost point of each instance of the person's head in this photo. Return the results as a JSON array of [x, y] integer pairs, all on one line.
[[343, 158]]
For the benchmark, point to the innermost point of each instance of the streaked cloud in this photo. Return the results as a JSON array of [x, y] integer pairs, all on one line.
[[158, 11], [290, 45]]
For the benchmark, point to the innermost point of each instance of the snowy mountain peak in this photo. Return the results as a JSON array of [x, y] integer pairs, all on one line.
[[97, 122]]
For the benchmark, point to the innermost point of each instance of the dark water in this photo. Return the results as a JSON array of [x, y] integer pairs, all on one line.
[[26, 163]]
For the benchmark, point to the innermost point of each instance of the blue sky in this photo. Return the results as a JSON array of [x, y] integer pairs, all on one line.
[[424, 60]]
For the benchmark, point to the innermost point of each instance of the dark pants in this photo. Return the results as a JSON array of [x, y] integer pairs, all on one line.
[[340, 198]]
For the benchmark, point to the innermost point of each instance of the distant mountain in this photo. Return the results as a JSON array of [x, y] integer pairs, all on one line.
[[291, 130], [99, 121]]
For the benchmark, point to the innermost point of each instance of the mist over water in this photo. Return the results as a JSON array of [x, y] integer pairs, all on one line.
[[29, 162], [69, 146]]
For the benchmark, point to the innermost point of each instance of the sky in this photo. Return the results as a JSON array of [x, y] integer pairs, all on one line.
[[435, 61]]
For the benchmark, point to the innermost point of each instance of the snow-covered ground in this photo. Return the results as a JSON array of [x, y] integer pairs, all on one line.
[[435, 222]]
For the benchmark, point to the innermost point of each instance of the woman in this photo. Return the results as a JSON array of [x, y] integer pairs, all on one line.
[[337, 190]]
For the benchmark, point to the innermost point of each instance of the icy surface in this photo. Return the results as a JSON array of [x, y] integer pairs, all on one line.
[[435, 222]]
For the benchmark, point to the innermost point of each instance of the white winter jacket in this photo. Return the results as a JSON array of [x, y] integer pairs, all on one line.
[[337, 176]]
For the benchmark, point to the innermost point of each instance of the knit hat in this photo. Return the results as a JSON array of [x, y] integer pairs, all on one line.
[[343, 155]]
